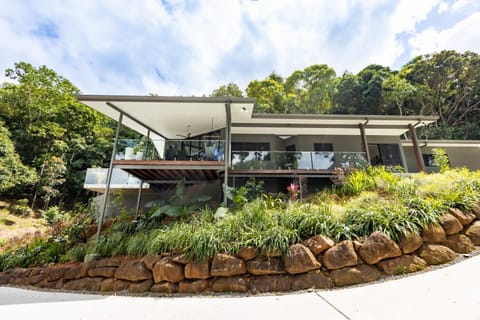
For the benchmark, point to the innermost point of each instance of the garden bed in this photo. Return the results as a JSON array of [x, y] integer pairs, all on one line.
[[374, 225]]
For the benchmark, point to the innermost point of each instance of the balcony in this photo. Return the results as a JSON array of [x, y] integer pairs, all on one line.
[[96, 179], [171, 150], [296, 160]]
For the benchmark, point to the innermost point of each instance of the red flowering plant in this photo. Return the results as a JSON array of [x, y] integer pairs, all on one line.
[[293, 190]]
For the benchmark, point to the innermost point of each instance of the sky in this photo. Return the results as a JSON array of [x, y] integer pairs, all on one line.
[[190, 48]]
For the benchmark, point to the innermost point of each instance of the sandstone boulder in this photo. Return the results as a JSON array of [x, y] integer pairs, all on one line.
[[195, 286], [197, 270], [436, 254], [459, 243], [88, 284], [450, 224], [34, 280], [463, 216], [181, 258], [230, 284], [133, 270], [312, 280], [51, 285], [150, 261], [411, 242], [377, 247], [270, 283], [300, 259], [339, 256], [354, 275], [105, 272], [4, 278], [109, 262], [142, 286], [476, 211], [264, 265], [247, 253], [22, 272], [107, 285], [56, 273], [167, 270], [473, 232], [77, 271], [272, 253], [226, 265], [164, 287], [434, 234], [402, 264], [317, 244]]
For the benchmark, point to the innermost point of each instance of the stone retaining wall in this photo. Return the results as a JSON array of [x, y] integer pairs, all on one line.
[[317, 263]]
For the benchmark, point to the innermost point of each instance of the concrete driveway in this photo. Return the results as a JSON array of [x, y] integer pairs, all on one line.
[[447, 293]]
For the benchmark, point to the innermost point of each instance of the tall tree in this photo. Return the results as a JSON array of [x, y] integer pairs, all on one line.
[[451, 85], [15, 177], [348, 98], [269, 93], [312, 87], [371, 80], [229, 90], [396, 91], [46, 120]]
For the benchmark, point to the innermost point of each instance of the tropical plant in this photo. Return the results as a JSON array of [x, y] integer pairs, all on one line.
[[178, 205]]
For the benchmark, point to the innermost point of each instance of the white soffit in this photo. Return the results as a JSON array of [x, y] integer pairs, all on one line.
[[172, 117]]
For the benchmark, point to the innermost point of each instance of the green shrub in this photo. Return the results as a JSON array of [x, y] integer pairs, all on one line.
[[441, 159], [356, 182]]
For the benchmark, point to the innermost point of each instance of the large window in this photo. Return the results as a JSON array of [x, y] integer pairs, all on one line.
[[385, 154], [326, 147]]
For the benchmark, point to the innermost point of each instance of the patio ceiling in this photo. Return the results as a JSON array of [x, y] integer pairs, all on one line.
[[170, 117], [176, 117]]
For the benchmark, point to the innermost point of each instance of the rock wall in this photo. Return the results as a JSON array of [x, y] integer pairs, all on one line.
[[318, 263]]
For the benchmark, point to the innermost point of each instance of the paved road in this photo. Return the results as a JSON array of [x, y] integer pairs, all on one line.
[[447, 293]]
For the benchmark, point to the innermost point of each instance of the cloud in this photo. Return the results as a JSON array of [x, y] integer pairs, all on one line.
[[463, 36], [174, 47]]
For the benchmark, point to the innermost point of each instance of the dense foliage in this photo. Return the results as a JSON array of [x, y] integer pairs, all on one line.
[[53, 134]]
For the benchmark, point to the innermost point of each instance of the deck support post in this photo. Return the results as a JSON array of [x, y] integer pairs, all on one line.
[[109, 177], [140, 189], [227, 154], [364, 141], [416, 148]]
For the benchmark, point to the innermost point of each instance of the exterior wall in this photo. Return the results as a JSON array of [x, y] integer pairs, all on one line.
[[459, 156], [305, 143], [275, 142]]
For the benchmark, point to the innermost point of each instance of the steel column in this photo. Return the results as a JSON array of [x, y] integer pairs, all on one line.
[[227, 156], [364, 141], [109, 177], [416, 148]]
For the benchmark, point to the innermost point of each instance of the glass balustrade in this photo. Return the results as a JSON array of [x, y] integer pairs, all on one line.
[[97, 177], [214, 150], [202, 150], [296, 160]]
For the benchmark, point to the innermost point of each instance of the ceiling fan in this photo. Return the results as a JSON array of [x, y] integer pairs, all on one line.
[[187, 135]]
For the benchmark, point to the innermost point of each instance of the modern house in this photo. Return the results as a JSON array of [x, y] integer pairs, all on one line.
[[213, 143]]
